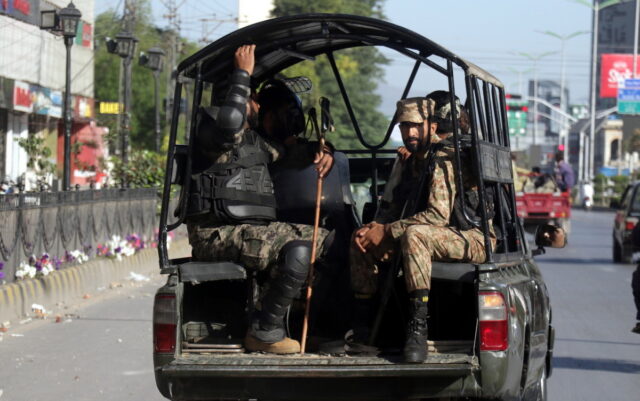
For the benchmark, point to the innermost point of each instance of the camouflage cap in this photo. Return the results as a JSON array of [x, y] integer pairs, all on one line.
[[414, 109], [444, 111]]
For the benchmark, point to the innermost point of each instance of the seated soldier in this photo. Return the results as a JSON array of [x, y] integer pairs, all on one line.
[[425, 232], [232, 205]]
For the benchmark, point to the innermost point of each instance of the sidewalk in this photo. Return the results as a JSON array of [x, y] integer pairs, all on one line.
[[74, 282]]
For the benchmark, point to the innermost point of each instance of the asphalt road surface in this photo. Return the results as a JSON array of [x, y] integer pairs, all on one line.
[[596, 355], [101, 350]]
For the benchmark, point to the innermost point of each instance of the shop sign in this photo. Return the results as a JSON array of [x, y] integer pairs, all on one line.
[[24, 10], [47, 102], [22, 97], [110, 108], [85, 34], [615, 68], [83, 107], [6, 93]]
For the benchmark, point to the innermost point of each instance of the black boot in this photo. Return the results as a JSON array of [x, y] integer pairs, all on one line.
[[267, 331], [415, 347]]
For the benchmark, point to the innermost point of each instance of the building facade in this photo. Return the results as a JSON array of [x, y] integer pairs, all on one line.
[[32, 80]]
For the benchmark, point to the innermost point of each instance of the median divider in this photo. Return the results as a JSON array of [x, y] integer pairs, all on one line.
[[67, 284]]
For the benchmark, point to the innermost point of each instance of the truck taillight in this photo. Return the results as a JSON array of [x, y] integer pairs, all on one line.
[[629, 225], [493, 317], [164, 323]]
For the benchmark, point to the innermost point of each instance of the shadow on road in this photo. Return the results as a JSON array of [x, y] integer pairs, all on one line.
[[572, 340], [609, 365], [595, 261]]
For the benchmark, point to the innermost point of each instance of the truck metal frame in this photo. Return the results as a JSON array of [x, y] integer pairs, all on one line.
[[518, 372]]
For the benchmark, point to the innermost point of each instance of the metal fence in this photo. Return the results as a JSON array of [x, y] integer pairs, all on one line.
[[59, 222]]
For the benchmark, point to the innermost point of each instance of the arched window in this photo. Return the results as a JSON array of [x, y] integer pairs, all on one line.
[[615, 149]]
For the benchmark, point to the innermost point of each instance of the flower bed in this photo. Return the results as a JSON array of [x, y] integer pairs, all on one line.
[[116, 248]]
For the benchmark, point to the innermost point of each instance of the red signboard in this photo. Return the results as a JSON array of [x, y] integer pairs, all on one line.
[[87, 33], [615, 68]]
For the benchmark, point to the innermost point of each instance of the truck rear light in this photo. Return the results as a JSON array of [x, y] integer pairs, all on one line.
[[493, 322], [629, 225], [164, 323]]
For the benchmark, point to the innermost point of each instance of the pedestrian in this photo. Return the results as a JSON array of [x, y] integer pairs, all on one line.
[[564, 173], [422, 236], [232, 207]]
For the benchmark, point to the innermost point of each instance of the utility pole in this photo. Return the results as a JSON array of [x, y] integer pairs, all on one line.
[[174, 30], [129, 20]]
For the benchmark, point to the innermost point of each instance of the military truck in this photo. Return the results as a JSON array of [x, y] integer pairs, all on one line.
[[490, 332]]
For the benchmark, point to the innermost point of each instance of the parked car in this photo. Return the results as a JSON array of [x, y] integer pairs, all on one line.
[[627, 215], [490, 332]]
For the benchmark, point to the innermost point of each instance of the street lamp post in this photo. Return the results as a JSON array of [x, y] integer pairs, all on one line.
[[535, 58], [66, 22], [596, 7], [563, 38], [153, 61], [124, 46]]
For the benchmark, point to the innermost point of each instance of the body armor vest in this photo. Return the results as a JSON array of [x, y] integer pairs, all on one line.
[[239, 191], [467, 212]]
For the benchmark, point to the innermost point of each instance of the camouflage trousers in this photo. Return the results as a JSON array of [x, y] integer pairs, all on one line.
[[255, 247], [419, 246]]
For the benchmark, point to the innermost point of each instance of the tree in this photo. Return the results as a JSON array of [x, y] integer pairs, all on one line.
[[107, 72], [360, 69]]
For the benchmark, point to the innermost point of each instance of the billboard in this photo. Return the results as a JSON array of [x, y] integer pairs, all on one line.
[[615, 69]]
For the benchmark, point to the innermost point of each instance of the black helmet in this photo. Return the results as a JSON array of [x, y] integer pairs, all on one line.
[[276, 97]]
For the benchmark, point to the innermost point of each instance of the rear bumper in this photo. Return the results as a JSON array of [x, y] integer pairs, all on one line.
[[317, 382]]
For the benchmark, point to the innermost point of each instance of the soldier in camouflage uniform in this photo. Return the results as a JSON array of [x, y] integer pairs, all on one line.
[[423, 236], [259, 243]]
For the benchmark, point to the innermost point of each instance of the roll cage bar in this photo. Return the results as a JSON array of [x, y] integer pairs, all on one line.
[[283, 42]]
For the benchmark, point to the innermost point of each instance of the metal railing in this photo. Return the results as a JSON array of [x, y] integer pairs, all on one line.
[[59, 222]]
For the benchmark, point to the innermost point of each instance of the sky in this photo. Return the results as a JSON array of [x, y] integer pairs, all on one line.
[[489, 33]]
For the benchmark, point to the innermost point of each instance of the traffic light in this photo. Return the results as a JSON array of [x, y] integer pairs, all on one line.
[[517, 115]]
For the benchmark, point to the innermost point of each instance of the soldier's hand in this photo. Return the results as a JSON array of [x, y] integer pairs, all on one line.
[[245, 58], [373, 237], [403, 153], [323, 162], [357, 237]]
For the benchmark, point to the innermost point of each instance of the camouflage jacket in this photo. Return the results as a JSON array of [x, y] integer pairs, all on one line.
[[441, 195]]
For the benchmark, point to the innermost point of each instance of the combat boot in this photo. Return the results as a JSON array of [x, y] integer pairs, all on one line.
[[285, 346], [267, 332], [415, 347]]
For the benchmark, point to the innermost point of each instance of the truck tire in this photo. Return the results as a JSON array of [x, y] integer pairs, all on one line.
[[617, 252]]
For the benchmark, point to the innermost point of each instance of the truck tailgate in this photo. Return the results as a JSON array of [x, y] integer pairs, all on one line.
[[262, 365]]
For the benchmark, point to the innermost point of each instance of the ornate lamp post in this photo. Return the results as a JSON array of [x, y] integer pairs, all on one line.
[[153, 61], [65, 22], [124, 46]]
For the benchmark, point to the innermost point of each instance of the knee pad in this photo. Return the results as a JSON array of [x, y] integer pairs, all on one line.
[[294, 259]]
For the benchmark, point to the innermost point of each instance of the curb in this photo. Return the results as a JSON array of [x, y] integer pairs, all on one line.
[[73, 282]]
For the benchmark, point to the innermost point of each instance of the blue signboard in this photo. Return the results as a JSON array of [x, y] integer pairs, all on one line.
[[629, 97]]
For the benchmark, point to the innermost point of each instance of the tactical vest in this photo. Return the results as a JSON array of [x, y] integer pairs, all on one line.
[[240, 191], [466, 203]]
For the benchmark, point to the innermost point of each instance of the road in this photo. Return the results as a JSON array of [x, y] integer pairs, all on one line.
[[102, 349], [596, 355]]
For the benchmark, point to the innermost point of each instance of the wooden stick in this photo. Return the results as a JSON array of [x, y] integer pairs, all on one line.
[[316, 225]]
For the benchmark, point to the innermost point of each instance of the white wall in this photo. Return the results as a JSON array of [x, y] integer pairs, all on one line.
[[38, 57], [252, 11]]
